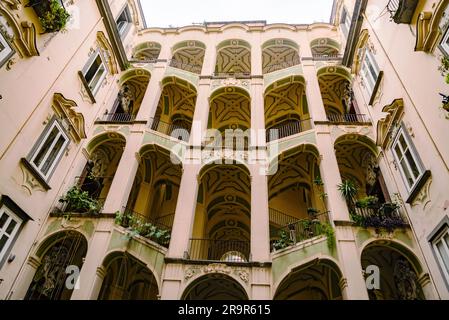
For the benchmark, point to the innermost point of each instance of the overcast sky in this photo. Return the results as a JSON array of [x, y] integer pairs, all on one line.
[[177, 13]]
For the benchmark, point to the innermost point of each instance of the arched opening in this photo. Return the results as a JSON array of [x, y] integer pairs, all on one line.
[[297, 209], [222, 226], [337, 95], [188, 56], [147, 51], [230, 114], [63, 250], [233, 58], [133, 85], [370, 204], [317, 280], [279, 54], [174, 113], [153, 197], [324, 48], [398, 272], [127, 278], [286, 108], [215, 287]]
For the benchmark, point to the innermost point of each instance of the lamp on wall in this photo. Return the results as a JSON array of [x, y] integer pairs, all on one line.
[[445, 101]]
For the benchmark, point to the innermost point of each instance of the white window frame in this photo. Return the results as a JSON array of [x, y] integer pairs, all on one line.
[[444, 44], [402, 132], [7, 49], [440, 260], [345, 21], [122, 25], [370, 80], [94, 89], [40, 145], [12, 216]]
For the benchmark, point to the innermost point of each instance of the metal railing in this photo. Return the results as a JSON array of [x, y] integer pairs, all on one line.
[[304, 229], [166, 220], [117, 117], [219, 250], [194, 68], [176, 131], [393, 7], [279, 218], [236, 75], [288, 129], [348, 117], [282, 65], [130, 216], [381, 216], [326, 57]]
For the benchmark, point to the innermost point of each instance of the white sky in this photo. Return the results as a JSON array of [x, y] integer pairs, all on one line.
[[178, 13]]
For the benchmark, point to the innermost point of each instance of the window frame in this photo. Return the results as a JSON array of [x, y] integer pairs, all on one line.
[[345, 21], [122, 31], [402, 131], [369, 59], [87, 67], [54, 123], [14, 233], [9, 50], [444, 43], [440, 238]]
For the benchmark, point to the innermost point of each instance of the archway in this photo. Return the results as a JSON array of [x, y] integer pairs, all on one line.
[[188, 55], [215, 287], [233, 57], [317, 280], [147, 51], [61, 250], [127, 278], [279, 54], [398, 271]]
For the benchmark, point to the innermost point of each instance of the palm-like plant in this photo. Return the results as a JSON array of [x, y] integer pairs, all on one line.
[[348, 190]]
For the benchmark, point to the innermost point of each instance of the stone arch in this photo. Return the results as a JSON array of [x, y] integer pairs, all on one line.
[[57, 252], [233, 56], [188, 55], [127, 278], [147, 51], [103, 138], [278, 54], [317, 279], [324, 46], [335, 87], [215, 286]]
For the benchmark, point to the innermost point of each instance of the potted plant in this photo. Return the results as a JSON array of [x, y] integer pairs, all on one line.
[[312, 212], [348, 190], [52, 14], [79, 201], [284, 241], [388, 208], [367, 202]]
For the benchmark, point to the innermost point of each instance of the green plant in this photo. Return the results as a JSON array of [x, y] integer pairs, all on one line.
[[318, 182], [367, 202], [348, 190], [283, 242], [55, 19], [312, 211], [444, 68], [358, 219], [79, 201], [326, 229]]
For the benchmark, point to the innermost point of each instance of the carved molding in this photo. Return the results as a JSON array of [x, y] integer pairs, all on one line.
[[423, 196], [24, 38], [428, 31], [363, 39], [240, 272], [386, 125], [107, 52], [64, 109], [29, 182]]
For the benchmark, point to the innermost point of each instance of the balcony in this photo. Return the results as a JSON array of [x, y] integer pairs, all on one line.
[[288, 129], [116, 118], [301, 230], [347, 118], [327, 57], [282, 65], [402, 11], [185, 66], [379, 216], [237, 251], [177, 131], [235, 75]]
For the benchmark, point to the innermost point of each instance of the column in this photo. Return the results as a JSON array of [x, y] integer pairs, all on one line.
[[353, 283], [185, 212], [257, 113], [314, 99], [331, 175], [89, 283], [26, 277], [256, 55], [98, 282], [427, 287], [260, 224], [209, 58], [150, 101], [201, 114], [124, 175]]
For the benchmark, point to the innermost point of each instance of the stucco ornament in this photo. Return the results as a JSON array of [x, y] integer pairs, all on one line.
[[190, 272], [406, 281], [423, 196], [217, 268], [29, 182]]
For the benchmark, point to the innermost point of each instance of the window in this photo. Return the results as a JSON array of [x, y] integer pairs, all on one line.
[[370, 72], [5, 50], [9, 226], [441, 248], [444, 45], [407, 159], [345, 21], [95, 72], [49, 150], [123, 21]]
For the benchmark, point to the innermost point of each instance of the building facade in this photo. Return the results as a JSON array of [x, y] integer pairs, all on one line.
[[227, 160]]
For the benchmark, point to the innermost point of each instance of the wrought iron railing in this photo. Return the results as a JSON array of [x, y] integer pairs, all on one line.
[[304, 229], [279, 218], [348, 117], [117, 117], [219, 250], [130, 216], [236, 75], [282, 65], [166, 220], [387, 216], [176, 131], [326, 57], [288, 129], [194, 68], [393, 6]]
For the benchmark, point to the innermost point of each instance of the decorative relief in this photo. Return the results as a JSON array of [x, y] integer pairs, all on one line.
[[29, 182], [387, 126], [240, 272], [423, 196], [107, 52], [429, 27], [64, 109]]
